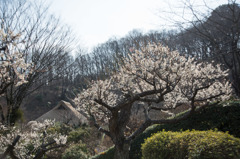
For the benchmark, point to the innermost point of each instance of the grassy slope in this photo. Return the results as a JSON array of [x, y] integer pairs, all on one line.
[[224, 118]]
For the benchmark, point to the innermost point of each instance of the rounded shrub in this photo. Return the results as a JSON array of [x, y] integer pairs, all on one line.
[[76, 151], [192, 145]]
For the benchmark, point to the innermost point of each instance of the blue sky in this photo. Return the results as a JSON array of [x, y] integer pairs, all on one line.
[[95, 21]]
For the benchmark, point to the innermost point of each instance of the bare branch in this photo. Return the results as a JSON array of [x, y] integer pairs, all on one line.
[[99, 101], [99, 127]]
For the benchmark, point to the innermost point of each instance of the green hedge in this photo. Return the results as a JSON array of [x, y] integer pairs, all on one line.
[[192, 145]]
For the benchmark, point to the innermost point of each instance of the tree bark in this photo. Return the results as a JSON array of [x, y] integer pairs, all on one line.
[[117, 127], [122, 151]]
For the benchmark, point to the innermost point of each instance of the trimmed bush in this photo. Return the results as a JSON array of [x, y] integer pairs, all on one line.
[[192, 145], [76, 151]]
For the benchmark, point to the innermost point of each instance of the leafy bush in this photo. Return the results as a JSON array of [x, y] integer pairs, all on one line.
[[192, 145], [78, 134], [74, 134], [76, 151], [60, 128]]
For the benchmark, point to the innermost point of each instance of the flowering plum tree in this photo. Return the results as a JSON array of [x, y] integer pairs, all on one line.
[[151, 75], [44, 42], [14, 69], [33, 143]]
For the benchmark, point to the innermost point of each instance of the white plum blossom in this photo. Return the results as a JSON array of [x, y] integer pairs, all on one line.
[[174, 77], [62, 139], [13, 68], [31, 140]]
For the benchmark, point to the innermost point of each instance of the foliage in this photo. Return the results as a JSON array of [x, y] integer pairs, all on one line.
[[74, 134], [78, 134], [192, 145], [76, 151], [60, 128]]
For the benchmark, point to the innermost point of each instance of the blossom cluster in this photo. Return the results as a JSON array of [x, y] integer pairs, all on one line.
[[13, 67], [156, 74], [31, 140]]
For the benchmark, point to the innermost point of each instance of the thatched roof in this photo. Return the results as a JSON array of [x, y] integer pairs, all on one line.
[[65, 113]]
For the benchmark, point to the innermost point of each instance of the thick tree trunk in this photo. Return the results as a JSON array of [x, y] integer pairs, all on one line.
[[122, 151], [117, 127]]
